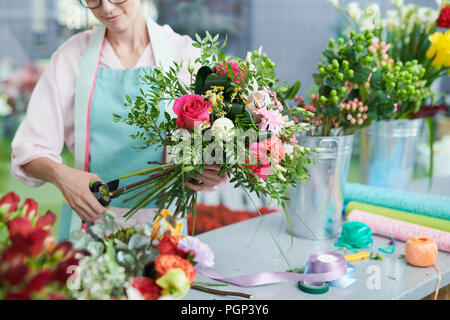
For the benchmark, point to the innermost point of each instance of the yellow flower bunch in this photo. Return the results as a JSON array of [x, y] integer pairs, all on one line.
[[440, 49], [166, 224]]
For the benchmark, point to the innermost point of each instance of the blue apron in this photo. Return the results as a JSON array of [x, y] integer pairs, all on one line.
[[102, 146]]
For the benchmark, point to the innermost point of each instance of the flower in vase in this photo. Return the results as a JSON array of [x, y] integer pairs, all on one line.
[[440, 49], [444, 18]]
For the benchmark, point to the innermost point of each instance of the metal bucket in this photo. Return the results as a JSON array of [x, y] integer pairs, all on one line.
[[387, 152], [315, 207]]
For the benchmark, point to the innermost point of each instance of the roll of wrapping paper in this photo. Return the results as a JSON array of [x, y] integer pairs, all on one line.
[[420, 203], [418, 219], [400, 230]]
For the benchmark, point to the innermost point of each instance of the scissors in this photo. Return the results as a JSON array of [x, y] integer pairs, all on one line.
[[105, 192]]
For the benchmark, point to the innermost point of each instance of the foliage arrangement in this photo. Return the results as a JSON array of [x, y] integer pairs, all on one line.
[[358, 82]]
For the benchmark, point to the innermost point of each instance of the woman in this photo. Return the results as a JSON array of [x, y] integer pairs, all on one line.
[[85, 82]]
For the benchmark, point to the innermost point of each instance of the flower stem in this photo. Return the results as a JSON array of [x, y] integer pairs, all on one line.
[[222, 293]]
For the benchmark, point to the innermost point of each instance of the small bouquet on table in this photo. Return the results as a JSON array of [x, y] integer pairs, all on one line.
[[230, 114]]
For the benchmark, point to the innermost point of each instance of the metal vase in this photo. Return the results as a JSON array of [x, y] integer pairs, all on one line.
[[387, 152], [315, 207]]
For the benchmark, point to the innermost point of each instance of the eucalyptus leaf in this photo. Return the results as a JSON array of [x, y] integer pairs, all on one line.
[[138, 241], [96, 248]]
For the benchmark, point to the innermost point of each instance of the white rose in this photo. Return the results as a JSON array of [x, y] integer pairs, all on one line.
[[222, 129]]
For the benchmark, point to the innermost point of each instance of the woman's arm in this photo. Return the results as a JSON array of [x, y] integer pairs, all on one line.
[[74, 185]]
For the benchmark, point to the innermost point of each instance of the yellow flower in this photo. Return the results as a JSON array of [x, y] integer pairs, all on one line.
[[440, 49], [163, 226]]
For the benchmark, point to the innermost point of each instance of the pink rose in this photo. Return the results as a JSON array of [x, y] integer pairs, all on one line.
[[260, 164], [238, 74], [275, 148], [191, 110]]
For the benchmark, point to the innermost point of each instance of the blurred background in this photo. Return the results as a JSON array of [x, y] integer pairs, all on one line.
[[292, 32]]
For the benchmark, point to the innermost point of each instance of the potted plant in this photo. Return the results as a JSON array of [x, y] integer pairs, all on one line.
[[354, 88]]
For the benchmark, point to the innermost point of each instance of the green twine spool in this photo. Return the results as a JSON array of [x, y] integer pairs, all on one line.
[[355, 234]]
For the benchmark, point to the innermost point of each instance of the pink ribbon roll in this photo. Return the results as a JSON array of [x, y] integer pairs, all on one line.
[[401, 230], [324, 267]]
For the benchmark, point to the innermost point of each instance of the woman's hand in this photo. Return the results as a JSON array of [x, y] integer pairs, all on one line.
[[209, 179], [74, 185]]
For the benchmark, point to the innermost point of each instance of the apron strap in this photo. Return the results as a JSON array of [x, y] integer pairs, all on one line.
[[84, 92]]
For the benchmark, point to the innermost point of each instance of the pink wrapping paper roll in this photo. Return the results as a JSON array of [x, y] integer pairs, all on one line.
[[401, 230]]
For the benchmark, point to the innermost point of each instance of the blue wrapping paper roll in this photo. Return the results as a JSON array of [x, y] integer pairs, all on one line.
[[414, 202]]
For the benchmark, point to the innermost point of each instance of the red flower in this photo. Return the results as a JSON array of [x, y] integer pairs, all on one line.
[[64, 247], [444, 18], [17, 296], [62, 271], [56, 296], [39, 281], [169, 245], [16, 274], [191, 110], [26, 240], [30, 208], [9, 203], [147, 288], [167, 262], [238, 74], [46, 221]]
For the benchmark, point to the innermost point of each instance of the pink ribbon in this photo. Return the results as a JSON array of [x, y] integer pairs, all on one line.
[[323, 267]]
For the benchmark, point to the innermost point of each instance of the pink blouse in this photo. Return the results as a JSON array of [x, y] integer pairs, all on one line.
[[49, 121]]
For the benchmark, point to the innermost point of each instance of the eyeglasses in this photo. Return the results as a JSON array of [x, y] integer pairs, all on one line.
[[94, 4]]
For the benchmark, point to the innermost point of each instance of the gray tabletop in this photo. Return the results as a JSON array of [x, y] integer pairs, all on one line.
[[247, 247]]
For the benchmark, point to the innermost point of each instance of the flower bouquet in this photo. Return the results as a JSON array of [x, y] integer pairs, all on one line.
[[145, 262], [229, 114], [32, 266]]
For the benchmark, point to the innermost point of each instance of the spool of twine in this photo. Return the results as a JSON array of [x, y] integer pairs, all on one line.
[[423, 252]]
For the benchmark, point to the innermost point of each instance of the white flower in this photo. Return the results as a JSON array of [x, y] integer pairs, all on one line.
[[222, 129], [258, 100], [397, 3], [354, 11], [288, 149], [334, 3], [134, 294]]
